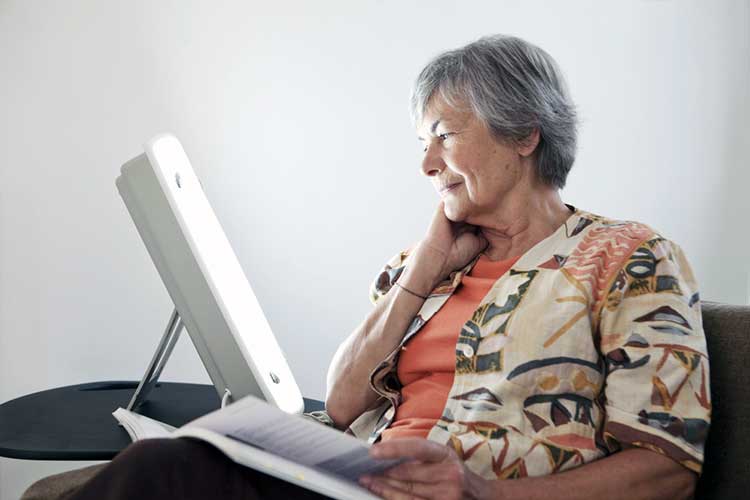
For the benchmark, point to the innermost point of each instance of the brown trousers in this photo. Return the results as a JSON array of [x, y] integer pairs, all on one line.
[[182, 469]]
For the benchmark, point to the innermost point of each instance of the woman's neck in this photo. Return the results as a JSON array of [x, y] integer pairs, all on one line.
[[524, 222]]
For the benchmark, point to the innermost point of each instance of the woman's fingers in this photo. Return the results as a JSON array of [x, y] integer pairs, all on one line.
[[467, 246], [414, 447], [396, 489], [435, 470], [426, 472], [440, 231]]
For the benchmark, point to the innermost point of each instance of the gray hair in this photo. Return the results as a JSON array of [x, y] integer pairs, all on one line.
[[514, 87]]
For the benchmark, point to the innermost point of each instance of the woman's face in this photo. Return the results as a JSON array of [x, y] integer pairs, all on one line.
[[473, 172]]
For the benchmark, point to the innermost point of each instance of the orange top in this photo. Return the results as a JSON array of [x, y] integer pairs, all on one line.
[[427, 362]]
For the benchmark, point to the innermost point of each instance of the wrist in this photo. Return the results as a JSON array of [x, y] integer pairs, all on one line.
[[487, 489], [424, 269], [415, 282], [410, 292], [422, 274]]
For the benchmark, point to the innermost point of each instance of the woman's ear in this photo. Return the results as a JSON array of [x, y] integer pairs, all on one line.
[[528, 145]]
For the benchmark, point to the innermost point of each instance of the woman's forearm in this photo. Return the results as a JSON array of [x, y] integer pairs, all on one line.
[[348, 386], [632, 474]]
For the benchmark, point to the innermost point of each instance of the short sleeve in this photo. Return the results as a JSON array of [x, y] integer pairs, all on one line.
[[388, 275], [651, 336]]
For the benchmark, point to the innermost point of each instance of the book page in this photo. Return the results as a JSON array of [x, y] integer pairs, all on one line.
[[257, 423], [141, 427], [311, 478]]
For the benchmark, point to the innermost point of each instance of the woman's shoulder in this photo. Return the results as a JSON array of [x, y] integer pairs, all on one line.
[[589, 226], [606, 246]]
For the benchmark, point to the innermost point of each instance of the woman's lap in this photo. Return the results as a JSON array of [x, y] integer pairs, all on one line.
[[185, 469]]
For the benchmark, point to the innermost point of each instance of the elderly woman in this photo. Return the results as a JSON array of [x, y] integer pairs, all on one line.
[[521, 338]]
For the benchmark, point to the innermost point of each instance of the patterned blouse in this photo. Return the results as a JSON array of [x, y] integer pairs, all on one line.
[[590, 343]]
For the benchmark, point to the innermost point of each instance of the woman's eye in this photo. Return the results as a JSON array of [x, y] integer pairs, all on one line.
[[441, 137]]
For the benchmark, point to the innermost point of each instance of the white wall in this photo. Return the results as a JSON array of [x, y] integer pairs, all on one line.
[[295, 117]]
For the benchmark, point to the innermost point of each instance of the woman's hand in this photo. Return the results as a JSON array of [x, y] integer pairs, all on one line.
[[434, 472], [447, 246]]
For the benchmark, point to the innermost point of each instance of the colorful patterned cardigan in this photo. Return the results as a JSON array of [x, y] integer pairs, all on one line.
[[592, 342]]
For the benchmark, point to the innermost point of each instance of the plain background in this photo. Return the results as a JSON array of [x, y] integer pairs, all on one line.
[[295, 117]]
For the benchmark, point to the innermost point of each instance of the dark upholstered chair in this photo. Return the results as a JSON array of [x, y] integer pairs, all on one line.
[[726, 474]]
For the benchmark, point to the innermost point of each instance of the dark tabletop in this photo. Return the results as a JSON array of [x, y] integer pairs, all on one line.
[[76, 422]]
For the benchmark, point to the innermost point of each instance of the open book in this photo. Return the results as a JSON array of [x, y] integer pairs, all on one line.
[[260, 436]]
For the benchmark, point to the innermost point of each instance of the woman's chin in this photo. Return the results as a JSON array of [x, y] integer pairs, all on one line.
[[453, 213]]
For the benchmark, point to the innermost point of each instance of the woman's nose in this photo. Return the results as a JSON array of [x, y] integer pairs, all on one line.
[[432, 164]]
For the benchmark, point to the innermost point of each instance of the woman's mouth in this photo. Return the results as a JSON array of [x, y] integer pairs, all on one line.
[[449, 188]]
